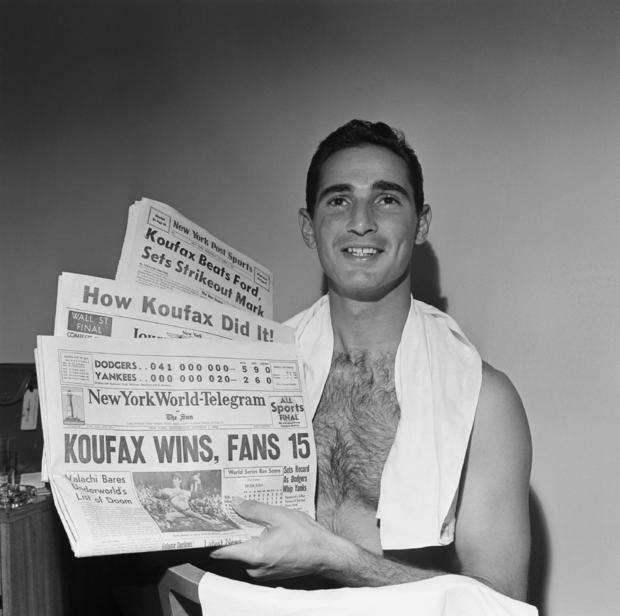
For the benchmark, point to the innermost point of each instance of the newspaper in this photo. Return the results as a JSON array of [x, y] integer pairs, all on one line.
[[87, 306], [147, 441], [164, 249]]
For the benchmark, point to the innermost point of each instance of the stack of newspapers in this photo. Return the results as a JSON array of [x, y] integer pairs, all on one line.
[[169, 392]]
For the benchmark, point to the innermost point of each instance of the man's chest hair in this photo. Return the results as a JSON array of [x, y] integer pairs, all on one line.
[[354, 427]]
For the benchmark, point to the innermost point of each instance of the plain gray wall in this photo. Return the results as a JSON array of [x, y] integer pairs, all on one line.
[[216, 108]]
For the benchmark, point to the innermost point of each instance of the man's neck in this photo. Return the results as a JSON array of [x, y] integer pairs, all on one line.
[[369, 326]]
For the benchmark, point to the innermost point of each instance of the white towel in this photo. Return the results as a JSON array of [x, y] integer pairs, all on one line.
[[444, 595], [437, 378]]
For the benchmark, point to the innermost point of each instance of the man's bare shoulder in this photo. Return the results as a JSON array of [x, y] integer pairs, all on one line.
[[500, 413]]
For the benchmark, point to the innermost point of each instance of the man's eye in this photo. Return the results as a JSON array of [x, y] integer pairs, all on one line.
[[337, 201], [388, 200]]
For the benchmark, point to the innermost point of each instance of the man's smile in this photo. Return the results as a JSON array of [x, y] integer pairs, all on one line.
[[361, 251]]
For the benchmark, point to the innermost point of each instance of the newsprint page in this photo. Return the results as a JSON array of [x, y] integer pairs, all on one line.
[[87, 306], [164, 249], [147, 441]]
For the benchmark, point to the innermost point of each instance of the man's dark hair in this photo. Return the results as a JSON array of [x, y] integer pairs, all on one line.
[[358, 133]]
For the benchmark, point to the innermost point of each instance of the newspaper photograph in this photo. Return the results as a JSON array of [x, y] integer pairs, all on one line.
[[87, 306], [147, 441], [164, 249]]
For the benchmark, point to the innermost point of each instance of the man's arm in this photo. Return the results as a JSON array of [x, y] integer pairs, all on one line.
[[492, 536], [492, 532], [293, 544]]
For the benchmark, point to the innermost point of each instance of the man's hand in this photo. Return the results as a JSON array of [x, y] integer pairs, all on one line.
[[292, 543]]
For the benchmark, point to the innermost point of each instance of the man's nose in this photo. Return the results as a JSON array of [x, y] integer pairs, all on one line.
[[362, 219]]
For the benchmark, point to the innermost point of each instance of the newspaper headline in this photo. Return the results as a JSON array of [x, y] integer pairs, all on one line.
[[96, 307], [164, 249]]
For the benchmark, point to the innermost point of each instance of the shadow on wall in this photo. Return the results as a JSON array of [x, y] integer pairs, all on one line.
[[425, 284], [539, 559]]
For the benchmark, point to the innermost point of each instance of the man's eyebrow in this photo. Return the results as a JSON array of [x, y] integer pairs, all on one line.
[[378, 185], [334, 188], [385, 185]]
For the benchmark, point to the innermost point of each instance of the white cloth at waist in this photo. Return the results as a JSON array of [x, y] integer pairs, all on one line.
[[444, 595]]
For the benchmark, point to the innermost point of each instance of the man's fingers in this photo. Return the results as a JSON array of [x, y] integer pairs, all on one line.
[[245, 552], [260, 573], [252, 510]]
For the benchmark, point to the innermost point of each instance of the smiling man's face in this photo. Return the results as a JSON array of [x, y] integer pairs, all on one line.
[[365, 223]]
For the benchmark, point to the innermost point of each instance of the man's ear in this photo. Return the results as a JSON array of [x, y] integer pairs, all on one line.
[[423, 225], [307, 228]]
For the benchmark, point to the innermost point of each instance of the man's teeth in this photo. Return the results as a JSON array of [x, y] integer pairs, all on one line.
[[362, 252]]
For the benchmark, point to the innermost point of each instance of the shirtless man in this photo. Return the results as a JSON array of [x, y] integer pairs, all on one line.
[[365, 212]]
